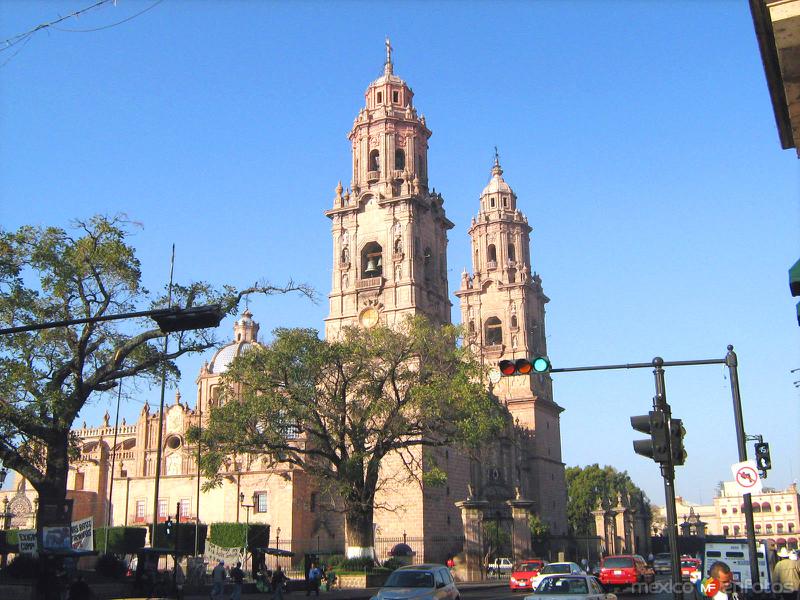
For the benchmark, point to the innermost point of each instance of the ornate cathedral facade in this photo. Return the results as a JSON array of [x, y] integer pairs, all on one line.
[[389, 233]]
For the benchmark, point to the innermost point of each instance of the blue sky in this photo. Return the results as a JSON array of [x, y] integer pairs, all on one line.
[[638, 136]]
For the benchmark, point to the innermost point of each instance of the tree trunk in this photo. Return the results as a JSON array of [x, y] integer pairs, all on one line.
[[52, 490], [358, 533]]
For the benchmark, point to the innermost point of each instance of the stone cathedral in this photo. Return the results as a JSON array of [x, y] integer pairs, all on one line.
[[389, 260]]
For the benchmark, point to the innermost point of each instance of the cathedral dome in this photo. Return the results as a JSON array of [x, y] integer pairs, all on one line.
[[245, 335], [497, 184]]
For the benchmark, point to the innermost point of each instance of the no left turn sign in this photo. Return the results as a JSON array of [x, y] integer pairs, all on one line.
[[746, 477]]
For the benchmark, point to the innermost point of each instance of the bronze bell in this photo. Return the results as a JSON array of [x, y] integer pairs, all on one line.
[[372, 268]]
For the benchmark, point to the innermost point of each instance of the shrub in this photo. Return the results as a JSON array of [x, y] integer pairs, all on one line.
[[24, 566], [392, 564], [356, 564], [121, 540], [109, 565], [232, 535], [334, 560]]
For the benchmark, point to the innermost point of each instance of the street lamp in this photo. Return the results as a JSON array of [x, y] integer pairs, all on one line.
[[247, 507], [277, 544]]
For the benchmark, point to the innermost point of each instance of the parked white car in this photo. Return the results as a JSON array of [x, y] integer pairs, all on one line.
[[500, 567]]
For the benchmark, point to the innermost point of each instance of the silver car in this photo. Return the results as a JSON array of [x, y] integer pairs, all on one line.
[[419, 582], [570, 587]]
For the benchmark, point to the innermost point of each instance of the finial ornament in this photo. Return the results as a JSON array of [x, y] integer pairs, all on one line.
[[496, 170], [387, 67]]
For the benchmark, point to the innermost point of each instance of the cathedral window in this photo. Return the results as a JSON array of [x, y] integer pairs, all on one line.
[[261, 502], [399, 159], [491, 202], [173, 442], [512, 254], [505, 201], [396, 97], [312, 502], [372, 260], [493, 333], [380, 97], [491, 253], [374, 160]]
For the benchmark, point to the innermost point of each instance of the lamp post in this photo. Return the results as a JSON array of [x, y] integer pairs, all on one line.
[[277, 544], [247, 508]]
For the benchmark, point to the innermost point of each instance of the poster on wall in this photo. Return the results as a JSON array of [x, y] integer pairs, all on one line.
[[56, 538], [27, 541], [82, 534]]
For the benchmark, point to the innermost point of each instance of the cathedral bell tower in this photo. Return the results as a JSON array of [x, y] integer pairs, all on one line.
[[389, 230], [502, 309]]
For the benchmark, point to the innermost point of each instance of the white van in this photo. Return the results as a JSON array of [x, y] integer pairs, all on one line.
[[735, 554]]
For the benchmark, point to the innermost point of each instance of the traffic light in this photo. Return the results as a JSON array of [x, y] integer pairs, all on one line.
[[657, 447], [763, 461], [676, 433], [523, 366], [168, 527]]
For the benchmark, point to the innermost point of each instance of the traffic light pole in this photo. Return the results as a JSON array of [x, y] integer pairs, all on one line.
[[732, 361], [668, 474]]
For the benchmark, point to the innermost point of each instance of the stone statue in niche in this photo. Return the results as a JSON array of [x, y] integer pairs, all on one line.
[[345, 280], [398, 272], [345, 255]]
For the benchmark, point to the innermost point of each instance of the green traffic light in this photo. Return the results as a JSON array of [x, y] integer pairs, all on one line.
[[541, 364]]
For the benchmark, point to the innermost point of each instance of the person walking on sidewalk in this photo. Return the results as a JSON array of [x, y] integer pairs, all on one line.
[[237, 575], [278, 581], [218, 581], [314, 579]]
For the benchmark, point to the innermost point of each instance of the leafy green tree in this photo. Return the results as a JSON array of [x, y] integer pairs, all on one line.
[[337, 408], [48, 376], [540, 530], [495, 538], [586, 486]]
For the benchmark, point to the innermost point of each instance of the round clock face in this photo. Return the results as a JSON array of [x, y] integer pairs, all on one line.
[[368, 317]]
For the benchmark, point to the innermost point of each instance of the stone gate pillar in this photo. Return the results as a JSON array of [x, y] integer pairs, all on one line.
[[520, 529], [472, 517]]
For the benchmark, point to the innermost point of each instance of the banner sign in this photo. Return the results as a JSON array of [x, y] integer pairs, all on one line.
[[82, 538], [216, 553], [56, 538], [27, 541]]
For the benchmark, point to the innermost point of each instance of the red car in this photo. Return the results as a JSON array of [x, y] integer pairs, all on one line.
[[625, 569], [689, 566], [523, 572]]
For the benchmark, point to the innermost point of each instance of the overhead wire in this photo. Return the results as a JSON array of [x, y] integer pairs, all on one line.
[[25, 37], [141, 12]]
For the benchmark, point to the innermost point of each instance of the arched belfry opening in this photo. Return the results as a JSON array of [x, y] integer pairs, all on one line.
[[493, 332], [372, 260], [375, 161]]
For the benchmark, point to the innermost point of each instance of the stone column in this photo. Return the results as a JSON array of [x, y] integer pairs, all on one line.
[[520, 530], [472, 516]]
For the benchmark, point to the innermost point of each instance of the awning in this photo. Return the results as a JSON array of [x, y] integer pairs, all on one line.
[[794, 278]]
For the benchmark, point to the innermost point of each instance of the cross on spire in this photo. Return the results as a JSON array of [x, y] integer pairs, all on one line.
[[387, 67]]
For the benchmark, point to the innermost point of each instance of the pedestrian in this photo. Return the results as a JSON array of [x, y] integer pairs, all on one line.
[[180, 581], [314, 579], [237, 576], [218, 581], [79, 590], [278, 581], [721, 573], [786, 576]]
